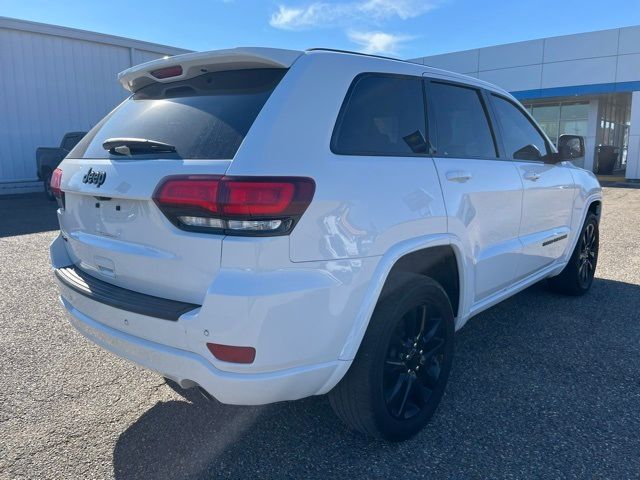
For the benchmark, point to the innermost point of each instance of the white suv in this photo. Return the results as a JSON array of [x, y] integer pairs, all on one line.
[[268, 225]]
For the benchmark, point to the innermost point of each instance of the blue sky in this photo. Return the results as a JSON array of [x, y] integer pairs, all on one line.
[[402, 28]]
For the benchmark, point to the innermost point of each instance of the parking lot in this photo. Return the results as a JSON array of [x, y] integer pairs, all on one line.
[[542, 385]]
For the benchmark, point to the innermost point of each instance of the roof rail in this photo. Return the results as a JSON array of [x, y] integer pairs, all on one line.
[[336, 50]]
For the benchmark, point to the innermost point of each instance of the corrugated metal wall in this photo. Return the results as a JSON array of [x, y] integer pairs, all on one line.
[[50, 85]]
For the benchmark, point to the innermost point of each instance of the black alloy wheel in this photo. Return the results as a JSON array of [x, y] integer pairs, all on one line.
[[588, 255], [414, 362], [577, 276], [399, 374]]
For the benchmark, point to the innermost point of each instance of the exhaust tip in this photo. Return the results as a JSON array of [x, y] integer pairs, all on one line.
[[205, 394]]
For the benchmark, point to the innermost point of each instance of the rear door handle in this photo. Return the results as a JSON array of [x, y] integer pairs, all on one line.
[[533, 176], [459, 176]]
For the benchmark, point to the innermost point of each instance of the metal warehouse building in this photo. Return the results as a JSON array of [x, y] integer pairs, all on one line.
[[55, 80], [586, 84]]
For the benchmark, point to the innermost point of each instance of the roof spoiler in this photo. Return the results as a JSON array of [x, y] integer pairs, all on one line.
[[191, 65]]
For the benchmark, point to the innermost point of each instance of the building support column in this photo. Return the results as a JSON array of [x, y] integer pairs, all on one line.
[[633, 152], [593, 123]]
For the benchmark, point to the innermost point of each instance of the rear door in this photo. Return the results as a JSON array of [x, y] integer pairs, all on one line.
[[112, 226], [548, 189], [482, 192]]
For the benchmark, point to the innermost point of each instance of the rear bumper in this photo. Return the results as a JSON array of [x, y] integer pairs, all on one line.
[[186, 367], [297, 318]]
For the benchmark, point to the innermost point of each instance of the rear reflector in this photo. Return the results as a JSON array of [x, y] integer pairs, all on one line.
[[229, 353], [235, 205], [167, 72]]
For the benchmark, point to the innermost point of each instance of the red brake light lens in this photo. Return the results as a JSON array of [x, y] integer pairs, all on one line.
[[56, 182], [235, 205], [258, 198], [167, 72], [194, 192], [229, 353]]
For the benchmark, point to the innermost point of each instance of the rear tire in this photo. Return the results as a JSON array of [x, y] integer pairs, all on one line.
[[577, 276], [399, 374]]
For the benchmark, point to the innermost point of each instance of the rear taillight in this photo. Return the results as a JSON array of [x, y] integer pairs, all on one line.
[[235, 205], [56, 182]]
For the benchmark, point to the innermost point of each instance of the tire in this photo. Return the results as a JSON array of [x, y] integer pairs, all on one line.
[[577, 276], [47, 186], [392, 388]]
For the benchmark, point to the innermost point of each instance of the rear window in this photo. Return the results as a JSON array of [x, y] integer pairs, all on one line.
[[382, 115], [205, 117]]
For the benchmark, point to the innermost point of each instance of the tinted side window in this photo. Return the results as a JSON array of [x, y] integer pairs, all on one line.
[[461, 122], [521, 138], [382, 115]]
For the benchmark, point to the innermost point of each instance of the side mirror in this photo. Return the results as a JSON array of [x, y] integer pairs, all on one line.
[[570, 147]]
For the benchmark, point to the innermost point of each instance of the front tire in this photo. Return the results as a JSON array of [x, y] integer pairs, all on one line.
[[577, 276], [401, 369]]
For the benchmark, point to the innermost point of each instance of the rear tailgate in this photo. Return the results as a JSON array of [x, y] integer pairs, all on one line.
[[113, 228]]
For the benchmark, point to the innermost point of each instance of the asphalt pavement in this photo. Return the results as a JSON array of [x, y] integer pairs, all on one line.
[[542, 386]]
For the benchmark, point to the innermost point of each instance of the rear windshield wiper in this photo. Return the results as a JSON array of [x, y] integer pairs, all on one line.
[[133, 146]]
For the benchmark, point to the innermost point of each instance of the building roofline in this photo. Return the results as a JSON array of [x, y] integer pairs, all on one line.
[[536, 39], [56, 30]]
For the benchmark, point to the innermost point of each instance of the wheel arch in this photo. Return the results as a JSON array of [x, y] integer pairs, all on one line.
[[592, 204], [431, 255], [408, 248], [595, 207], [437, 262]]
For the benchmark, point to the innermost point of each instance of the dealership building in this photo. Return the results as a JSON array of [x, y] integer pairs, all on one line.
[[55, 80], [586, 84]]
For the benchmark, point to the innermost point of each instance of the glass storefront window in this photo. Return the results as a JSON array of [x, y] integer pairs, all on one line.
[[572, 117], [547, 117], [574, 127], [615, 110], [560, 118], [576, 111]]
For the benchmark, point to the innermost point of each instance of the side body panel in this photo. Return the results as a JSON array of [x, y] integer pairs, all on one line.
[[484, 213], [546, 214], [363, 205]]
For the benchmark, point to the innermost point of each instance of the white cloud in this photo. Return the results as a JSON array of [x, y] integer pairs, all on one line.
[[403, 9], [379, 42], [322, 14]]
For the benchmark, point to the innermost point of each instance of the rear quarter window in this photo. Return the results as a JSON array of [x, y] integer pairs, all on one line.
[[206, 117], [382, 115]]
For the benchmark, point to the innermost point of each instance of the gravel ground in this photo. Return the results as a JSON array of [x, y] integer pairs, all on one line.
[[542, 386]]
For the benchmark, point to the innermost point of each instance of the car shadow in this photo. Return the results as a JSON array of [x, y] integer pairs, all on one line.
[[542, 384], [27, 213]]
